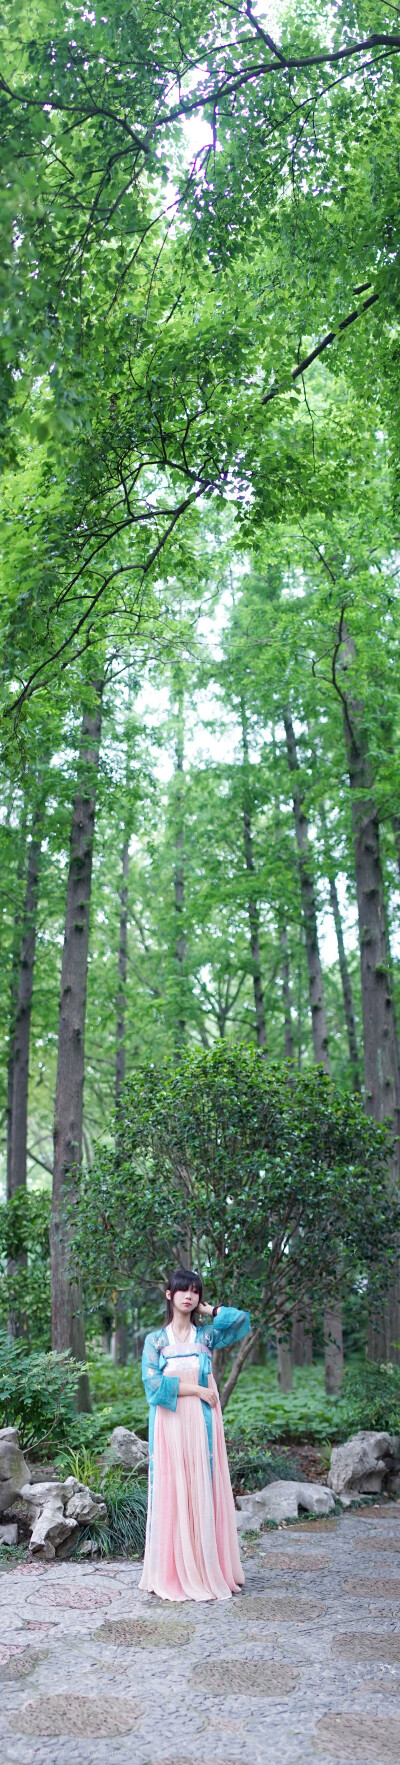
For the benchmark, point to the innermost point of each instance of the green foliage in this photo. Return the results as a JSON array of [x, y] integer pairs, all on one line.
[[371, 1398], [37, 1394], [257, 1410], [252, 1469], [122, 1534], [25, 1292], [276, 1177]]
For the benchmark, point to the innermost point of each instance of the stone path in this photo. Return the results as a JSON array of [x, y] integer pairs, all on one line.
[[303, 1668]]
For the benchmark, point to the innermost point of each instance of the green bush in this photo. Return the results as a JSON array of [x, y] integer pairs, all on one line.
[[252, 1469], [123, 1533], [24, 1234], [257, 1410], [371, 1398], [37, 1394]]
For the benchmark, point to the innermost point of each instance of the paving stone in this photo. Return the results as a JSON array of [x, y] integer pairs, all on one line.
[[269, 1606], [378, 1544], [144, 1633], [295, 1561], [250, 1679], [368, 1645], [84, 1598], [68, 1715], [316, 1526], [16, 1663], [373, 1589], [387, 1688], [347, 1736]]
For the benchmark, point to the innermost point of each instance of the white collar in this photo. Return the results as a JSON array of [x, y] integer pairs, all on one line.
[[174, 1340]]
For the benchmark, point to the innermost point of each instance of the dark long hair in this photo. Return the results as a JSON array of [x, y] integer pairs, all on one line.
[[180, 1281]]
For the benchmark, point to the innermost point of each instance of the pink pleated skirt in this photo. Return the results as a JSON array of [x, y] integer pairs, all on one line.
[[192, 1550]]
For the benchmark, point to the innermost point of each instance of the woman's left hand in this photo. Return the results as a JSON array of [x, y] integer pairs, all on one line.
[[206, 1310]]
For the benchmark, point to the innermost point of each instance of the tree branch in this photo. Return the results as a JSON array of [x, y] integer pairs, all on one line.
[[319, 348]]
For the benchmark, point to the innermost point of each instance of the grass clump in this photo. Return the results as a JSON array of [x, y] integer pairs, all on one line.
[[253, 1468]]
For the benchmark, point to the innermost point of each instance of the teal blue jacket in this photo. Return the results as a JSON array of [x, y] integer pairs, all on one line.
[[228, 1327]]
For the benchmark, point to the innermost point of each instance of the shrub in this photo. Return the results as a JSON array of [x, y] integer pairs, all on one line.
[[123, 1533], [371, 1399], [37, 1394], [24, 1241], [250, 1468]]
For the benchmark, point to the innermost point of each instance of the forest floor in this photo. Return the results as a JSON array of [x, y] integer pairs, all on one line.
[[302, 1668]]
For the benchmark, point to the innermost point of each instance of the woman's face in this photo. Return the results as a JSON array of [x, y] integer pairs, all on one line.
[[184, 1302]]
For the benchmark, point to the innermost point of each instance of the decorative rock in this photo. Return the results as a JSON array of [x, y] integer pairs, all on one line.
[[362, 1466], [83, 1504], [281, 1501], [14, 1471], [126, 1448], [9, 1534], [57, 1509]]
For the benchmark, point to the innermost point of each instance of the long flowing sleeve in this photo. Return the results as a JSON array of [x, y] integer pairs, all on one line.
[[158, 1389], [229, 1326]]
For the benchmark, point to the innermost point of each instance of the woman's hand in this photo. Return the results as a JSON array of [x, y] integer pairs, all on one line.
[[206, 1310], [208, 1396]]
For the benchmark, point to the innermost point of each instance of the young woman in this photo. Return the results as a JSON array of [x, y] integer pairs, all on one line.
[[191, 1539]]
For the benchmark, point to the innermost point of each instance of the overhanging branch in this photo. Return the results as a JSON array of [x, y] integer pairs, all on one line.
[[282, 386]]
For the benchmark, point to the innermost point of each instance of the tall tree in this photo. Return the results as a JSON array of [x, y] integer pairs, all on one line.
[[179, 875], [67, 1317], [253, 906], [381, 1056], [333, 1330]]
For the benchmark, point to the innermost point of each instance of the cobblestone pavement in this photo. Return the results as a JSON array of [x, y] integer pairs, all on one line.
[[302, 1668]]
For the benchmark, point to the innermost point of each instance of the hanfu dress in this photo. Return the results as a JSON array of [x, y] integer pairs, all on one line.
[[192, 1550]]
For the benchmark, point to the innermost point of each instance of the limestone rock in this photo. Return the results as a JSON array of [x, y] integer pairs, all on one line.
[[82, 1504], [363, 1465], [126, 1448], [9, 1534], [57, 1509], [51, 1528], [281, 1501], [14, 1471]]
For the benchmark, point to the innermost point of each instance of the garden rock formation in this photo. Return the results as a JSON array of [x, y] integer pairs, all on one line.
[[14, 1471], [126, 1448], [54, 1510], [281, 1501], [364, 1465]]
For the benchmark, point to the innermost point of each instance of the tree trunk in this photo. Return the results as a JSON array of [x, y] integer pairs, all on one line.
[[302, 1344], [284, 1361], [19, 1110], [179, 887], [381, 1061], [122, 968], [119, 1341], [333, 1344], [252, 905], [241, 1357], [315, 977], [67, 1319], [287, 1002], [396, 831], [18, 1070], [346, 989], [333, 1331], [15, 970]]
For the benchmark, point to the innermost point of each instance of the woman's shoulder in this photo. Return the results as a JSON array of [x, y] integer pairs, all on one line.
[[156, 1338], [204, 1337]]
